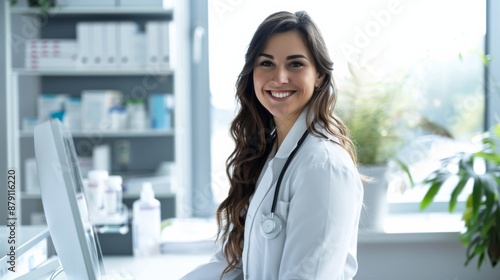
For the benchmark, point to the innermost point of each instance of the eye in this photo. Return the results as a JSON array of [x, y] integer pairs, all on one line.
[[266, 63], [296, 64]]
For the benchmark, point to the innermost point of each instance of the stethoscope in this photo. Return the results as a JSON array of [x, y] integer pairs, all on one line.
[[272, 223]]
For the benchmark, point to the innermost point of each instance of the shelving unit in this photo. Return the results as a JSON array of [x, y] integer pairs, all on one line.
[[94, 72], [94, 11], [111, 134], [148, 147]]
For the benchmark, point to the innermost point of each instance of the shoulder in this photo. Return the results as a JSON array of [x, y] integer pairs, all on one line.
[[324, 168], [319, 151]]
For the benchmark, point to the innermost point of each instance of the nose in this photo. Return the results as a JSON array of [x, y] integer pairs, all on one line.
[[280, 76]]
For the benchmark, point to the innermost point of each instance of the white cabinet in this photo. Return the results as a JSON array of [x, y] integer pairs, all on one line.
[[147, 148]]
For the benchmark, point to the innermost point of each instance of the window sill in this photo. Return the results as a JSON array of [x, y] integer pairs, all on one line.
[[419, 227]]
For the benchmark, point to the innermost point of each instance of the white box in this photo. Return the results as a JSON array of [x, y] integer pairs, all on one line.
[[101, 157], [49, 104], [50, 53], [95, 108], [73, 114]]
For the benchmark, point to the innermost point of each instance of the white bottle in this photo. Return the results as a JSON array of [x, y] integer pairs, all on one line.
[[146, 223], [113, 195], [95, 189]]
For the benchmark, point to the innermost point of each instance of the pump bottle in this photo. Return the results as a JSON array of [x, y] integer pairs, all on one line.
[[146, 223]]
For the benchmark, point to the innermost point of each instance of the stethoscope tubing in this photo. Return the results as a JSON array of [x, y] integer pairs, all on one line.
[[283, 170]]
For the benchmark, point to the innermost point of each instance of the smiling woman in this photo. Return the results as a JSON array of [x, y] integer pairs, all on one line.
[[295, 195]]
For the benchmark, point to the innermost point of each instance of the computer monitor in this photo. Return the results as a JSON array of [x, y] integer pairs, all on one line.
[[64, 204]]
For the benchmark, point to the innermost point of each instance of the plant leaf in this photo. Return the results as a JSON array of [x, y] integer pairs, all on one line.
[[491, 157], [477, 193], [497, 130], [431, 193], [456, 192], [467, 216], [480, 261], [490, 183], [470, 250], [406, 169]]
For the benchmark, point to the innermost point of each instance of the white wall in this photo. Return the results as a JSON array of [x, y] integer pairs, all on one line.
[[3, 114], [493, 48], [430, 258]]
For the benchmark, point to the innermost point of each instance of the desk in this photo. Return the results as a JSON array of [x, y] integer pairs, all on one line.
[[168, 266]]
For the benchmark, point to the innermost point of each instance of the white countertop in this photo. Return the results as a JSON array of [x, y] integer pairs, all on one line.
[[169, 266]]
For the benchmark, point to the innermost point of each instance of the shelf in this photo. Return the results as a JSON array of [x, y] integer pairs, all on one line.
[[157, 195], [95, 11], [111, 134], [25, 195], [127, 195], [95, 72]]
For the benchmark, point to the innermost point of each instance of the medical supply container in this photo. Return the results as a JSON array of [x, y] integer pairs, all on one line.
[[113, 195], [95, 189], [146, 223]]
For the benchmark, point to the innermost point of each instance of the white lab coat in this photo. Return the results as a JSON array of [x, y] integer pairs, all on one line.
[[319, 202]]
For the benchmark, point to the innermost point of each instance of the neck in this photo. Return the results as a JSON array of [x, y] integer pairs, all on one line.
[[283, 126]]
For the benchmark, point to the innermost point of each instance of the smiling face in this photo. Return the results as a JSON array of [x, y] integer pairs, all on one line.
[[285, 76]]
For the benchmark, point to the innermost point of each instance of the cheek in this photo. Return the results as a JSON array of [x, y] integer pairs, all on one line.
[[258, 81], [307, 84]]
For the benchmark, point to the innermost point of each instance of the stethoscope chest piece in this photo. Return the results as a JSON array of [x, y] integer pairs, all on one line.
[[271, 226]]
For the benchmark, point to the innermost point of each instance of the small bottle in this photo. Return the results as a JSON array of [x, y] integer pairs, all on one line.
[[146, 223], [95, 189], [113, 195]]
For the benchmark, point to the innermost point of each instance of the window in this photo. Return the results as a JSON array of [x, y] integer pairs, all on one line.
[[437, 45]]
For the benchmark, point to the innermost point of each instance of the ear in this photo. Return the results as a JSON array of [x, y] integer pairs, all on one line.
[[319, 80]]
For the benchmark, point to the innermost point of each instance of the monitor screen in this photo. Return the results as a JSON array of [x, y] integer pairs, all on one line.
[[64, 203]]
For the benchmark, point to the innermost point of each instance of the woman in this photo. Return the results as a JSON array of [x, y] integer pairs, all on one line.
[[307, 227]]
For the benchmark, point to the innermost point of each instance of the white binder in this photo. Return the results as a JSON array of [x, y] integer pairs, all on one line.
[[127, 30], [165, 44], [110, 44], [153, 44], [84, 43], [97, 50]]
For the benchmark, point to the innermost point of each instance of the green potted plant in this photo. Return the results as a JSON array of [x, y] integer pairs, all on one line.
[[481, 216], [379, 112]]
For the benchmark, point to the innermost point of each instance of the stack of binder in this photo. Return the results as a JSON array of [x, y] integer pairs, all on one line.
[[50, 53]]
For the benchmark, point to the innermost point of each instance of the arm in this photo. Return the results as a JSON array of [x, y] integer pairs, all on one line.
[[213, 269], [322, 225]]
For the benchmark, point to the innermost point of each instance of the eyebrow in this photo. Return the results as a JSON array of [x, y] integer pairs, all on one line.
[[294, 56]]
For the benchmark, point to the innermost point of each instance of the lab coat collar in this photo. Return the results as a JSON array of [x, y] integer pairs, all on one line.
[[293, 136], [297, 130]]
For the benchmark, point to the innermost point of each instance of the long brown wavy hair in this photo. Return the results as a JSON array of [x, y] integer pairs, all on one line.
[[252, 128]]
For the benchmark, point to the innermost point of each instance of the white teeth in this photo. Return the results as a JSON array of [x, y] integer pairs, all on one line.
[[281, 94]]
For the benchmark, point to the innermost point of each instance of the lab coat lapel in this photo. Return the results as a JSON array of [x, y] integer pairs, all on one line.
[[262, 188], [267, 181]]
